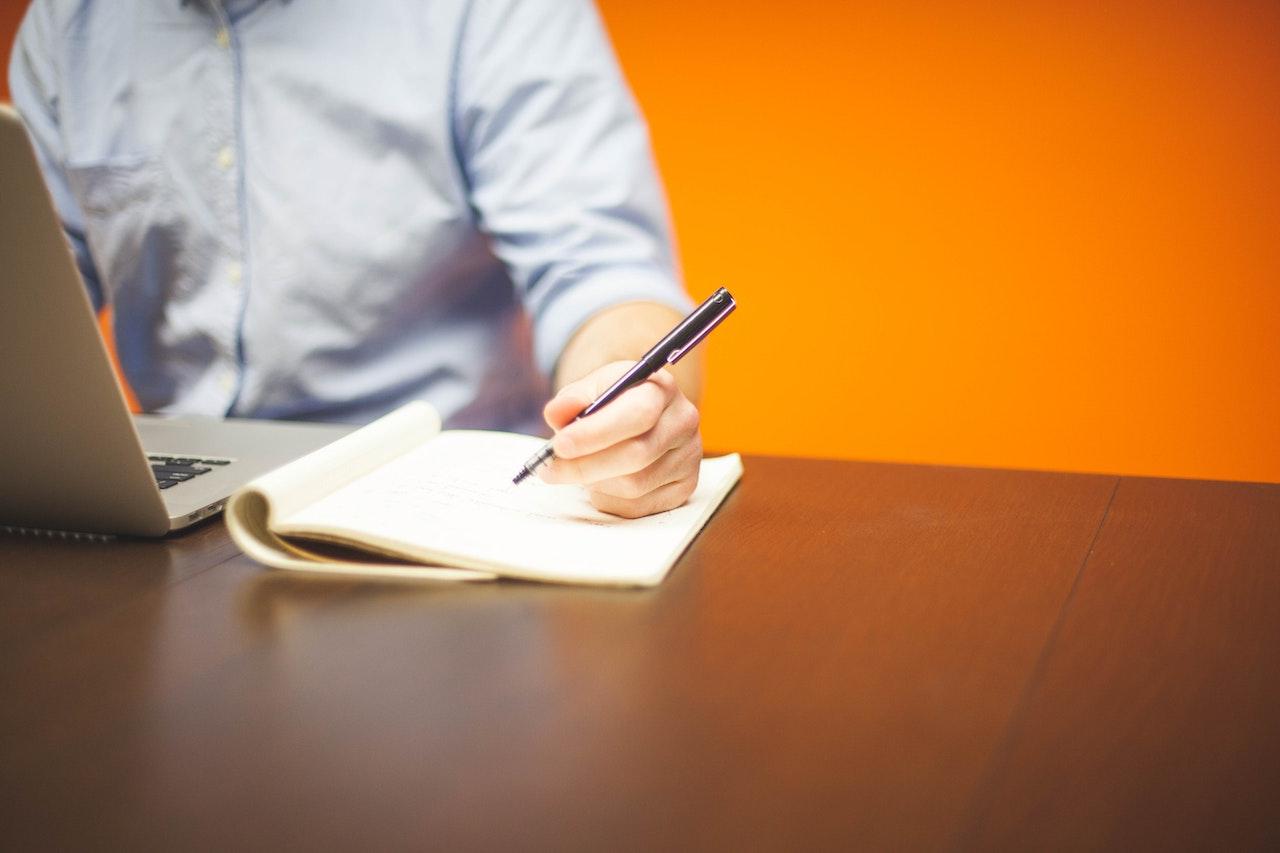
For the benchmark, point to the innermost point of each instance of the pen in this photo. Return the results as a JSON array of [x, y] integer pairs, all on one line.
[[669, 350]]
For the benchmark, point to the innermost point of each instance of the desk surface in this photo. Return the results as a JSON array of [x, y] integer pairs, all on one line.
[[885, 656]]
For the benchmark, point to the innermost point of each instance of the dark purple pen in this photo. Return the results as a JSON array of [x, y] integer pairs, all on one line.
[[669, 350]]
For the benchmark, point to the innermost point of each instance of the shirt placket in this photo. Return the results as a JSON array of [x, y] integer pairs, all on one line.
[[228, 271]]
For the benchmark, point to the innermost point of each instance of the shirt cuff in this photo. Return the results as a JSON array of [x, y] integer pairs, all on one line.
[[557, 320]]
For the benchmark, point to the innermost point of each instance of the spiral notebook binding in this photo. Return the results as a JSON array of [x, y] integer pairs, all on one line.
[[63, 535]]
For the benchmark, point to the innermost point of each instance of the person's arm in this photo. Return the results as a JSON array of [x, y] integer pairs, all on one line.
[[33, 83], [561, 177]]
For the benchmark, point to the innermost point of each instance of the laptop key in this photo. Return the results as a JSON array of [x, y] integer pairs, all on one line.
[[161, 459], [191, 470]]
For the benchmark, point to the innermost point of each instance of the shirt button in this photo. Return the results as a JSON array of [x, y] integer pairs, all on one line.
[[235, 274], [226, 157], [223, 38]]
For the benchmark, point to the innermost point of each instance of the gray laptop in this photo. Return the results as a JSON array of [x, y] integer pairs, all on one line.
[[72, 457]]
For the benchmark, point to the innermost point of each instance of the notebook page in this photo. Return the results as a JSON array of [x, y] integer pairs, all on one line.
[[357, 453], [451, 500], [250, 512]]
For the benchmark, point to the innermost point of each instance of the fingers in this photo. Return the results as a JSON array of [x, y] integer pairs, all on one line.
[[628, 445], [663, 498], [634, 413], [665, 483], [638, 455]]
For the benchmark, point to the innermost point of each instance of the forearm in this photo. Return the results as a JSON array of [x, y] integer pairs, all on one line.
[[625, 333]]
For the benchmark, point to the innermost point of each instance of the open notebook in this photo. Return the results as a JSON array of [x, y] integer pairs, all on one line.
[[401, 498]]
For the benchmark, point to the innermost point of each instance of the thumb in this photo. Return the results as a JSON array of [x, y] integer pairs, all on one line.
[[576, 396], [564, 407]]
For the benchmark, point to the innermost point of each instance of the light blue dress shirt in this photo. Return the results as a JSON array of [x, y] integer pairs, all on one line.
[[320, 209]]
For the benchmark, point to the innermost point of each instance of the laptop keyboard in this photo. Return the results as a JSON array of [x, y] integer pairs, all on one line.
[[172, 470]]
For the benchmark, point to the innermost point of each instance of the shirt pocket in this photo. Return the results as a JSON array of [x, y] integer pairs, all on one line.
[[129, 223]]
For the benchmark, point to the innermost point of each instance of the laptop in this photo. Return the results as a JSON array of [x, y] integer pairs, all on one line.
[[72, 457]]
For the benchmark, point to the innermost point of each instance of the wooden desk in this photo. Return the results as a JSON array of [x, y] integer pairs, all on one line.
[[851, 655]]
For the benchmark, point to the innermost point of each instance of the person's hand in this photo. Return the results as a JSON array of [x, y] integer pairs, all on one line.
[[636, 456]]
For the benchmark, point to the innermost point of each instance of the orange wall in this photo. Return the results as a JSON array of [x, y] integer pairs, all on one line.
[[10, 15], [1039, 234]]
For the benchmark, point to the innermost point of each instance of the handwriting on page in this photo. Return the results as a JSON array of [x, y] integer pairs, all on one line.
[[457, 485], [453, 496], [444, 493]]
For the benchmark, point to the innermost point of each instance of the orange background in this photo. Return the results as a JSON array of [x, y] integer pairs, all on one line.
[[1040, 234]]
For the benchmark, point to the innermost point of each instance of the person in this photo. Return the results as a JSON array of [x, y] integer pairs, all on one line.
[[318, 209]]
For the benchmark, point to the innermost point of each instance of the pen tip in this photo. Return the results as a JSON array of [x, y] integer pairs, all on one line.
[[519, 478]]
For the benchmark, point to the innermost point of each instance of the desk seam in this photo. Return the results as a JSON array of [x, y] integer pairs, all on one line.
[[1004, 749]]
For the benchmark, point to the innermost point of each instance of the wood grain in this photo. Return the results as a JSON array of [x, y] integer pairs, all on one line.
[[1155, 722], [830, 665], [46, 583]]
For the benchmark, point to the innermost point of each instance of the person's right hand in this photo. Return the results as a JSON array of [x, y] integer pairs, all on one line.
[[638, 455]]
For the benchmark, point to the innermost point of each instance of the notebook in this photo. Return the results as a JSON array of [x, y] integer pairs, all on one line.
[[402, 499]]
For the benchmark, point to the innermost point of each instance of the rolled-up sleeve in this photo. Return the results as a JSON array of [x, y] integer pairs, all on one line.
[[559, 167], [33, 83]]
